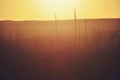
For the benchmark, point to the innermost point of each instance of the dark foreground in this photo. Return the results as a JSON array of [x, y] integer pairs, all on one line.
[[32, 53]]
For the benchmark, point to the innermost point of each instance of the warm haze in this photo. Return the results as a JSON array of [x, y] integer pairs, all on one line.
[[59, 40], [44, 9]]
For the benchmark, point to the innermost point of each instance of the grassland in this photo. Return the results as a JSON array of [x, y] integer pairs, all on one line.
[[31, 50]]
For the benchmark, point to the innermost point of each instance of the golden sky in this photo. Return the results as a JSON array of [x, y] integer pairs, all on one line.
[[45, 9]]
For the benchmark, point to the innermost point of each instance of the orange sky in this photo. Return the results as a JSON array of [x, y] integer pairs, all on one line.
[[44, 9]]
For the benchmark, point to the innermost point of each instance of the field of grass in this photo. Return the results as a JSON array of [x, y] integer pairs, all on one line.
[[32, 50]]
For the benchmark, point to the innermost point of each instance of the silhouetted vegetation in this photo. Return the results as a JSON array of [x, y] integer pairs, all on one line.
[[29, 50]]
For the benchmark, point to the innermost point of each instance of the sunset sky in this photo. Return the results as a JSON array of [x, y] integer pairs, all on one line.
[[45, 9]]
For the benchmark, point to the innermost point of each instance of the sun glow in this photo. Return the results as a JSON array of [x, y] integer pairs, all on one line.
[[63, 8], [45, 9], [61, 4]]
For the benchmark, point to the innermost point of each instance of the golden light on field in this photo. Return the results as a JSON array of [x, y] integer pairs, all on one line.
[[44, 9]]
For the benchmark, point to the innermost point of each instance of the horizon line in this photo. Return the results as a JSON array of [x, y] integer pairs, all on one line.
[[60, 19]]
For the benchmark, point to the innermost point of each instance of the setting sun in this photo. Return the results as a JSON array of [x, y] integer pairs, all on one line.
[[63, 8], [59, 4]]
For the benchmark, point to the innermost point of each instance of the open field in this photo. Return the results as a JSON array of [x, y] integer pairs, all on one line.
[[35, 50]]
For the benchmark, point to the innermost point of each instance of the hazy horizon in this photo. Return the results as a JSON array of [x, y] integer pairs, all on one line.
[[67, 19], [45, 9]]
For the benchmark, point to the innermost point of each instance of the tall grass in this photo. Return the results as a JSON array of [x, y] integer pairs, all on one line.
[[86, 36], [75, 17], [58, 36], [33, 56], [79, 39]]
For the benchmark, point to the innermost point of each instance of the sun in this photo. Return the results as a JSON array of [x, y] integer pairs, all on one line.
[[59, 4], [62, 4], [63, 8]]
